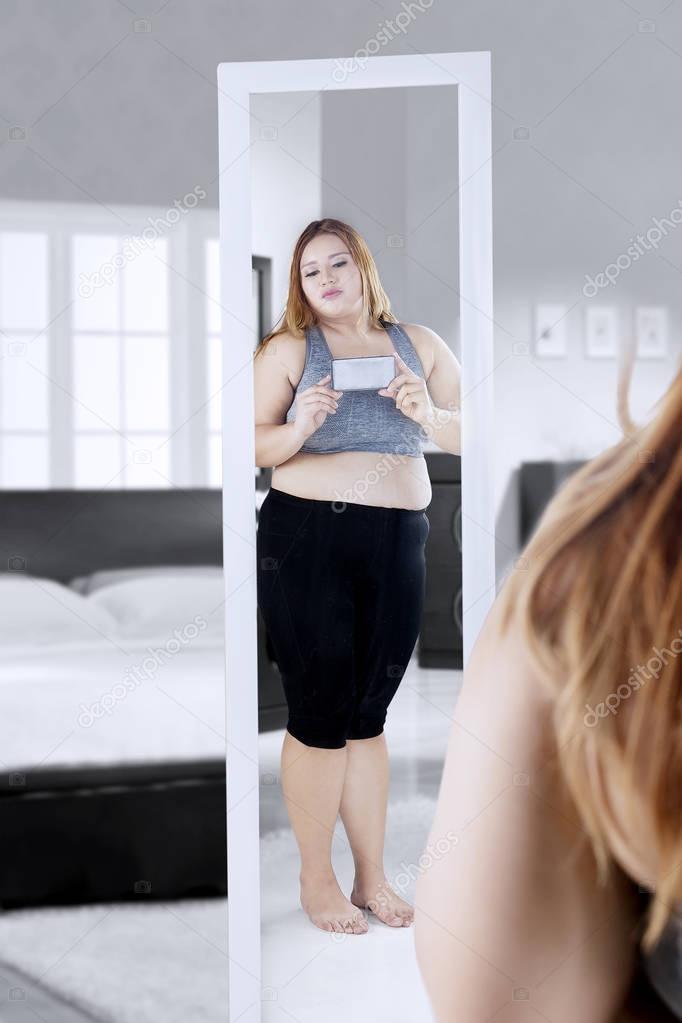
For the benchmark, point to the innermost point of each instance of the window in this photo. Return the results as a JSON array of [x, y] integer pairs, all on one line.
[[103, 378], [120, 363], [24, 360]]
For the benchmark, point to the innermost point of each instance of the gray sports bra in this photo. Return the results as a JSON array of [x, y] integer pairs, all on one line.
[[365, 420]]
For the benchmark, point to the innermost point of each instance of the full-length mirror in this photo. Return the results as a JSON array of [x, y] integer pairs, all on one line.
[[355, 200]]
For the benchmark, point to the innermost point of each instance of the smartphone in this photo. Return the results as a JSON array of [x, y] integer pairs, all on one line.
[[365, 373]]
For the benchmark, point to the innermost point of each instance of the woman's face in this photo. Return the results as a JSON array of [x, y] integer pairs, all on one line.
[[330, 278]]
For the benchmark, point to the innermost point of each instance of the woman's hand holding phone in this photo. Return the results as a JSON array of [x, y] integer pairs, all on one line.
[[314, 404], [410, 394]]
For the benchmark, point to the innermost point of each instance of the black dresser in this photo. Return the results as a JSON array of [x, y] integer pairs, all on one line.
[[441, 638]]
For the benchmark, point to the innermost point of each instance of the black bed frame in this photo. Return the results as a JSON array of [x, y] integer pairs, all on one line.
[[134, 831], [101, 834]]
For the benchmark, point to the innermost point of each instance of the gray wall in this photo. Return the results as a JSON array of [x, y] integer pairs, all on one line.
[[115, 115], [364, 174]]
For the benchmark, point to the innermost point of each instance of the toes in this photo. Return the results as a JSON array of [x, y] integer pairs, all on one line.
[[388, 916], [357, 923], [354, 924], [394, 918], [351, 925]]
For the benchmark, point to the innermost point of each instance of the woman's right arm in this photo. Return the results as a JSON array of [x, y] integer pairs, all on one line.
[[277, 440]]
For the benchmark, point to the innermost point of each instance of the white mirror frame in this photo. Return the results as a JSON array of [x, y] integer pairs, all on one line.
[[236, 83]]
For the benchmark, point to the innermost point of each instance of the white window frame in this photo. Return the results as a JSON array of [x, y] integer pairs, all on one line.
[[187, 323]]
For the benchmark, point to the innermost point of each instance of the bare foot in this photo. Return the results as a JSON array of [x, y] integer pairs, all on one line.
[[329, 909], [380, 899]]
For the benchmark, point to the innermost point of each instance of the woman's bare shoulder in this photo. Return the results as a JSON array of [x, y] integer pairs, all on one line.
[[284, 354], [422, 332], [425, 341], [502, 668], [287, 341], [504, 696]]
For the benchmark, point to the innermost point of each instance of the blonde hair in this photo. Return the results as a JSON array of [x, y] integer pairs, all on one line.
[[598, 592], [298, 315]]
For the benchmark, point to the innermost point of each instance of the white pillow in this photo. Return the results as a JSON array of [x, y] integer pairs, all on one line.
[[86, 584], [39, 611], [160, 604]]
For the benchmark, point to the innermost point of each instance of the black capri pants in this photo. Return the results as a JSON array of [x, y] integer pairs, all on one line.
[[340, 587]]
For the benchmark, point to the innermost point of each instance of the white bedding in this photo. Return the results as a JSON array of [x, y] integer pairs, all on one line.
[[133, 672]]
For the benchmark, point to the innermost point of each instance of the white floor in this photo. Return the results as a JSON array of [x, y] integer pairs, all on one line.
[[308, 974]]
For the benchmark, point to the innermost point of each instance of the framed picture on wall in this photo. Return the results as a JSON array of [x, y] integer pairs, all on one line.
[[601, 332], [550, 330], [651, 331]]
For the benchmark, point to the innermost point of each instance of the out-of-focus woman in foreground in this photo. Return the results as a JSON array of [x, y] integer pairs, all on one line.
[[553, 870]]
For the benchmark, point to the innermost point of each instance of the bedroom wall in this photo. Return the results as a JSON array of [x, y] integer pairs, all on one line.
[[114, 108]]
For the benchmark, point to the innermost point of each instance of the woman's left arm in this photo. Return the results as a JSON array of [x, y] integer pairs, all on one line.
[[510, 924], [433, 401]]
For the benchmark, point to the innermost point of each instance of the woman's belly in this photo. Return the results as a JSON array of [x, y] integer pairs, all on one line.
[[356, 477]]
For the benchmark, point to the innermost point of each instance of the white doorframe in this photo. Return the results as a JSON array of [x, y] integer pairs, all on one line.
[[236, 83]]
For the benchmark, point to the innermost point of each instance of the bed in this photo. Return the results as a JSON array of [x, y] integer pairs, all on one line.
[[112, 696]]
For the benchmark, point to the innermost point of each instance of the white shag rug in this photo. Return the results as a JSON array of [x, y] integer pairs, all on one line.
[[126, 963], [140, 963]]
